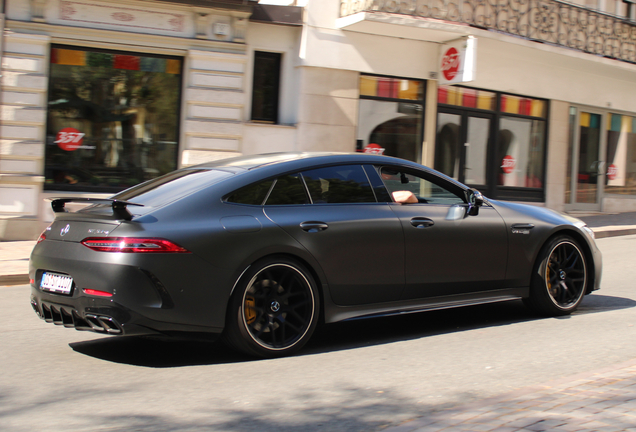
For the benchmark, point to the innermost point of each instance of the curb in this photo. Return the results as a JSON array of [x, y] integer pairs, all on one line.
[[608, 232]]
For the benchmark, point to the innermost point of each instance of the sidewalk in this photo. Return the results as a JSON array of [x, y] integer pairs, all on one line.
[[14, 256], [14, 262], [603, 400]]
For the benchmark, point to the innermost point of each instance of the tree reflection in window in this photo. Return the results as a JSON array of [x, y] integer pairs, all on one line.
[[127, 108]]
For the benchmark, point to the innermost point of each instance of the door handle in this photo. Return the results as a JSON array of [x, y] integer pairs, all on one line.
[[527, 226], [422, 222], [313, 226]]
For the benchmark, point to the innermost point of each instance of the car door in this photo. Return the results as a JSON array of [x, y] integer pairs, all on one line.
[[447, 252], [357, 241]]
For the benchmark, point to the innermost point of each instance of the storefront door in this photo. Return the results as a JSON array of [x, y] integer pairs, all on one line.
[[462, 146], [587, 176]]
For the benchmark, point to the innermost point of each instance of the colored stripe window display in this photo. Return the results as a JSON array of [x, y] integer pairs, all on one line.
[[466, 97], [126, 62], [523, 106], [70, 57], [391, 88], [590, 120]]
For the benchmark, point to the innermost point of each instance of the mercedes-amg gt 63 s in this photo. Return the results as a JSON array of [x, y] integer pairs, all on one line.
[[261, 249]]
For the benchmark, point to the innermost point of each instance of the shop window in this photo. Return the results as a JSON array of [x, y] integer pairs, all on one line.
[[520, 152], [493, 141], [113, 119], [390, 116], [265, 87], [621, 155]]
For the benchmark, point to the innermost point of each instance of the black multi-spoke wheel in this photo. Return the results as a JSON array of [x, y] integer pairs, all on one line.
[[560, 278], [274, 309]]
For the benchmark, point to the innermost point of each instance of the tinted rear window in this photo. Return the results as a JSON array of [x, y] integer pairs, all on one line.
[[339, 184], [288, 190], [171, 186], [253, 194]]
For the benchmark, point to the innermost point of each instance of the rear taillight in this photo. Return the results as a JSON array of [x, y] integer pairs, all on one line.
[[43, 235], [132, 245]]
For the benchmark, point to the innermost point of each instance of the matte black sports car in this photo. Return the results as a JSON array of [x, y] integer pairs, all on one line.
[[263, 248]]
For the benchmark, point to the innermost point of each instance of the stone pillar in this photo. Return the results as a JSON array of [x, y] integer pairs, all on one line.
[[22, 134], [328, 109], [213, 102], [557, 157]]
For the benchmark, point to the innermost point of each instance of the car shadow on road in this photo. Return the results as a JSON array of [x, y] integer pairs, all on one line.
[[164, 353], [158, 353]]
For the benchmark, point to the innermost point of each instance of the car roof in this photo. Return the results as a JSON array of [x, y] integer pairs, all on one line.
[[255, 161], [252, 162]]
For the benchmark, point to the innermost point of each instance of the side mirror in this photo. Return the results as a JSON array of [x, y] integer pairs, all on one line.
[[475, 200]]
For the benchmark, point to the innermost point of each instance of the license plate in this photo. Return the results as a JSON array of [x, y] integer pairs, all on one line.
[[57, 283]]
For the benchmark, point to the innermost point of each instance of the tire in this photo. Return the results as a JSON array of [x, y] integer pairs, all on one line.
[[274, 309], [560, 277]]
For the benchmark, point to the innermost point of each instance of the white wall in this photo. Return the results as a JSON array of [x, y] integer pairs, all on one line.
[[279, 39], [267, 138]]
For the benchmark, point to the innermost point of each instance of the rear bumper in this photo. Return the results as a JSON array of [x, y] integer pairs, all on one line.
[[159, 294], [107, 318]]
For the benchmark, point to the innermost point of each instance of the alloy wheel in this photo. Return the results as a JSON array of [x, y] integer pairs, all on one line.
[[565, 274], [278, 306]]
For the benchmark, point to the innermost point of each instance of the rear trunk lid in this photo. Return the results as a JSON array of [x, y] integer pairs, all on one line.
[[73, 230]]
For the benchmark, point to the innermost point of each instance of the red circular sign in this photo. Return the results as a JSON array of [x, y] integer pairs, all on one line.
[[612, 172], [450, 63], [69, 139], [508, 164], [374, 148]]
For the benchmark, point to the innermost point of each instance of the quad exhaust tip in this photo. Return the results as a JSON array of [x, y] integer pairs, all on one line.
[[70, 318]]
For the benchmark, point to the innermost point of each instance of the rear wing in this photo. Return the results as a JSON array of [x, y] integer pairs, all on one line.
[[119, 207]]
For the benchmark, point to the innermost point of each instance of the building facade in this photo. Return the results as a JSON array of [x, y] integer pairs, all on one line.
[[100, 95]]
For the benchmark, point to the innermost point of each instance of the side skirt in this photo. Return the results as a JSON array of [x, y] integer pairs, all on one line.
[[335, 313]]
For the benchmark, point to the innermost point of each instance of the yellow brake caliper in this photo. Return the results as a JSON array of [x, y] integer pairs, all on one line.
[[547, 279], [250, 312]]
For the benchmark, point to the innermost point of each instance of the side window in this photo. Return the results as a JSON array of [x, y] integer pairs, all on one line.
[[401, 184], [339, 184], [288, 190], [253, 194]]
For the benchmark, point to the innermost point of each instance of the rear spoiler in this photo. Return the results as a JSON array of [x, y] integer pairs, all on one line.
[[119, 207]]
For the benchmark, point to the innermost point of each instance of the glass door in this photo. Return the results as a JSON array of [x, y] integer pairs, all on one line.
[[462, 144], [587, 175]]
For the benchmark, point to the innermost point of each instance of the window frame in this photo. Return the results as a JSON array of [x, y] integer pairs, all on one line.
[[374, 184], [277, 58], [494, 190], [451, 187]]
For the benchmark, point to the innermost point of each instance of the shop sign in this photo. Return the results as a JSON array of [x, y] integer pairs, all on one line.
[[69, 139], [457, 61], [508, 164], [612, 172], [374, 149]]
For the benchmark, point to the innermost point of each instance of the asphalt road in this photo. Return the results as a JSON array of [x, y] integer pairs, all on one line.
[[356, 376]]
